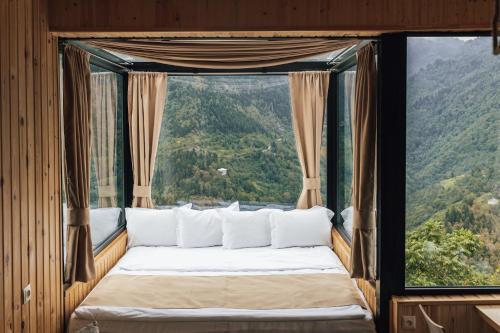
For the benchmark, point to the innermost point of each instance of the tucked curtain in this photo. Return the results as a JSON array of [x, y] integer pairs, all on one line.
[[77, 147], [308, 92], [229, 54], [146, 100], [104, 103], [364, 154]]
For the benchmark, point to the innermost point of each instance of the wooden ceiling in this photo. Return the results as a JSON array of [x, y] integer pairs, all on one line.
[[267, 18]]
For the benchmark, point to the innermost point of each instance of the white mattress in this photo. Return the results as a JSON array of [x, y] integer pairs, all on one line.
[[219, 261]]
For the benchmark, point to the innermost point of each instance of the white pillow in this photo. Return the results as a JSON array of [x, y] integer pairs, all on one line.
[[347, 213], [103, 222], [201, 228], [301, 227], [152, 227], [347, 216], [246, 229]]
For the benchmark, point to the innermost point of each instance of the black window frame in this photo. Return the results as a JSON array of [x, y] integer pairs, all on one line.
[[443, 290], [333, 160], [391, 202], [127, 182]]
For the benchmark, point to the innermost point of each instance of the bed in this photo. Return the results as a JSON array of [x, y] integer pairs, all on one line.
[[203, 306]]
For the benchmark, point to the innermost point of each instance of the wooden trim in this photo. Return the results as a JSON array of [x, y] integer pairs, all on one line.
[[215, 34], [355, 16], [343, 251], [451, 299], [104, 261], [456, 313], [247, 34]]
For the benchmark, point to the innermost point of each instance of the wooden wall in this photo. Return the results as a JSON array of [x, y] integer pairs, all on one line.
[[322, 16], [30, 211], [343, 251], [104, 261], [455, 313]]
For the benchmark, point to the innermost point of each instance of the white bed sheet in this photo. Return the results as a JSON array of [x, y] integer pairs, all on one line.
[[218, 261]]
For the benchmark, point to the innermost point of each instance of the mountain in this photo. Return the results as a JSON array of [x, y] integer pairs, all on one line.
[[453, 118], [239, 123]]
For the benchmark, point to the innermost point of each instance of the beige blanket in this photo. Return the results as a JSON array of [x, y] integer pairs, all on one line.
[[255, 292]]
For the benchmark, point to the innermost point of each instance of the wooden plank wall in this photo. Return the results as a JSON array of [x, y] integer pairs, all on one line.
[[328, 16], [343, 251], [455, 313], [104, 261], [30, 211]]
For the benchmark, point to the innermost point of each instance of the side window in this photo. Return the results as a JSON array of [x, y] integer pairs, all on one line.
[[345, 95], [452, 162], [106, 166]]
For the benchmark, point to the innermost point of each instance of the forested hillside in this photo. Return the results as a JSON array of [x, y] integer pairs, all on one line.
[[239, 123], [453, 133]]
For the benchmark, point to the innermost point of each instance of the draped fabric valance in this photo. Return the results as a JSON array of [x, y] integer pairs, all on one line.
[[364, 163], [104, 104], [224, 54], [308, 92], [146, 98], [77, 147]]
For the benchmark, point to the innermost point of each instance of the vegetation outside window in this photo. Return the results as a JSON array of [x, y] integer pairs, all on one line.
[[227, 138], [452, 163]]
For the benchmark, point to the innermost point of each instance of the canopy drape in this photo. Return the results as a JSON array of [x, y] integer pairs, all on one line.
[[364, 164], [146, 100], [309, 92], [104, 104], [77, 146], [224, 54]]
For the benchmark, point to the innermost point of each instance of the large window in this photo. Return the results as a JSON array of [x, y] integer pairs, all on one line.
[[345, 98], [452, 162], [226, 138], [107, 160]]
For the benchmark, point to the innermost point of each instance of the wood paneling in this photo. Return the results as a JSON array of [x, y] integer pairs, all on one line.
[[104, 261], [456, 313], [343, 251], [30, 236], [345, 17]]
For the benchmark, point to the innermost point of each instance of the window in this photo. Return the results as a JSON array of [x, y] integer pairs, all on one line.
[[452, 163], [346, 80], [226, 138], [106, 166]]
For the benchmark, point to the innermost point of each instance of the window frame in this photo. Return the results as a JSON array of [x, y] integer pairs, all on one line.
[[334, 109], [392, 173], [282, 70], [273, 70], [127, 181]]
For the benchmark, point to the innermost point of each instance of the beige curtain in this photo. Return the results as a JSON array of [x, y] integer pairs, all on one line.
[[146, 99], [308, 92], [364, 153], [249, 53], [77, 146], [104, 103]]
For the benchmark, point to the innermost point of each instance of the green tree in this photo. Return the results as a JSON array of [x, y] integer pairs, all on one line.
[[435, 257]]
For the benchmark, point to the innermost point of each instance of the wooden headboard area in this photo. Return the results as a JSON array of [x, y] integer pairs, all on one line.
[[104, 261], [343, 251]]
